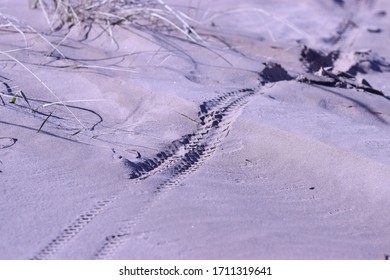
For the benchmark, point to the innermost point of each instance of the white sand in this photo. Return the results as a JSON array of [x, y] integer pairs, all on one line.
[[292, 170]]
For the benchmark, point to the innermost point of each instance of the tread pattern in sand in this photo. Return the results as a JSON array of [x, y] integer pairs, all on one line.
[[182, 157], [214, 119], [179, 159], [72, 230]]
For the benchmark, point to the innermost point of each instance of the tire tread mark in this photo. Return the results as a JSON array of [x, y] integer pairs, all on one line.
[[72, 230], [184, 156], [216, 118], [174, 152]]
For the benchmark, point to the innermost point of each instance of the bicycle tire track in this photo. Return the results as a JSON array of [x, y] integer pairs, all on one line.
[[183, 156], [220, 124], [72, 230], [216, 117], [174, 152]]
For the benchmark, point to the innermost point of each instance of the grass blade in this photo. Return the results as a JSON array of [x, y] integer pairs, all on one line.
[[42, 83], [2, 100], [25, 98], [44, 122], [13, 100], [77, 132]]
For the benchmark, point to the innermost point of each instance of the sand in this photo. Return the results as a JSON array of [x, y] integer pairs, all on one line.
[[265, 138]]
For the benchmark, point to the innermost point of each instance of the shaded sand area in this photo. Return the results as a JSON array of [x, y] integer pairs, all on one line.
[[195, 130]]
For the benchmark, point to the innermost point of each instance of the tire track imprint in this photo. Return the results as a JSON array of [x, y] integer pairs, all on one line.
[[214, 134], [181, 158], [210, 115], [72, 230], [191, 151]]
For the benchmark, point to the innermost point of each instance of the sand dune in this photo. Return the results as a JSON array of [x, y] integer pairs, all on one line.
[[260, 130]]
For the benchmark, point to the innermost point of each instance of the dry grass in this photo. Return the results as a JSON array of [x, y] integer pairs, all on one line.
[[64, 15], [154, 15]]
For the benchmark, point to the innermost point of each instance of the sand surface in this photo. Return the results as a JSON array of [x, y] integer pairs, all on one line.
[[264, 135]]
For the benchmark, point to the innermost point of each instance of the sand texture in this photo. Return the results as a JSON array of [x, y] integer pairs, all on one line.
[[195, 130]]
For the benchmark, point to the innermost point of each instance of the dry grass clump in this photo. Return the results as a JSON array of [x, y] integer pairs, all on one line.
[[154, 15], [62, 16]]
